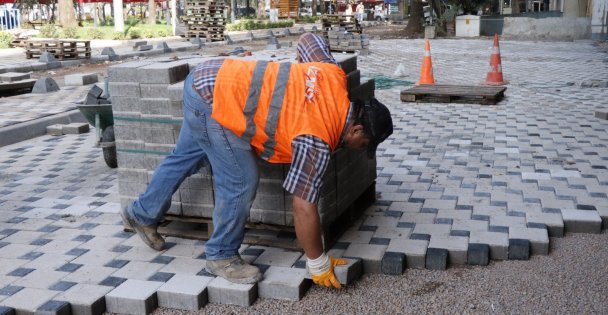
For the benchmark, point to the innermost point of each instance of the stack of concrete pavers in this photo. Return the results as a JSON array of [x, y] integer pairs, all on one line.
[[341, 40], [147, 105], [14, 81]]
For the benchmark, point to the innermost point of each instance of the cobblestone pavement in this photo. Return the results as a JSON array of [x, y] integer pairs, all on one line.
[[454, 179]]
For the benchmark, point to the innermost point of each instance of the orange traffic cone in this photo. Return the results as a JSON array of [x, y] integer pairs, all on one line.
[[426, 73], [494, 77]]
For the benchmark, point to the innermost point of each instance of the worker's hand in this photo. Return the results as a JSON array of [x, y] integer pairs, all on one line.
[[328, 278]]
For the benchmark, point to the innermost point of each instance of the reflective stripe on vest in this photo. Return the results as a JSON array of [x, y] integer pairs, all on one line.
[[252, 99], [272, 120]]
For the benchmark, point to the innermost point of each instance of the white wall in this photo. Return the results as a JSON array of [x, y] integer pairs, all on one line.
[[564, 28], [599, 11]]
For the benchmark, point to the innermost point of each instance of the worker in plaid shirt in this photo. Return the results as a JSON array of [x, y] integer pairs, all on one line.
[[236, 176]]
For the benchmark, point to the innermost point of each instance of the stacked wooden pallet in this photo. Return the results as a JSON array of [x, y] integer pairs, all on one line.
[[287, 8], [348, 22], [61, 48], [205, 19]]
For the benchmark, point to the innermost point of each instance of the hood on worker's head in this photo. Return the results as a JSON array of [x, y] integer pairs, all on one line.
[[378, 124], [314, 48]]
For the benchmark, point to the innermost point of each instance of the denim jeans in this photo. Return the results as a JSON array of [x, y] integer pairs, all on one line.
[[234, 171]]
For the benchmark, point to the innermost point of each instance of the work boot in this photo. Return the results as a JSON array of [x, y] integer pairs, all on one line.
[[234, 270], [147, 233]]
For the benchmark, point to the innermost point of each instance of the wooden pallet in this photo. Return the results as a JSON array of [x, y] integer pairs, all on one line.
[[481, 94], [269, 234], [61, 49]]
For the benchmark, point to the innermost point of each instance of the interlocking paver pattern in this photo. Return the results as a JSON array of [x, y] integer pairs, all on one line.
[[452, 176]]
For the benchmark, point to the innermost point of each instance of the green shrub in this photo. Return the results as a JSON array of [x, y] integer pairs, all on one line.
[[49, 31], [70, 32], [5, 39], [134, 33], [94, 33], [132, 21], [118, 36], [249, 24], [164, 33], [148, 33]]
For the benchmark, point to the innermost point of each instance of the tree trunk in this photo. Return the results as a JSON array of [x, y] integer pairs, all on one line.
[[313, 7], [415, 23], [151, 12], [67, 17]]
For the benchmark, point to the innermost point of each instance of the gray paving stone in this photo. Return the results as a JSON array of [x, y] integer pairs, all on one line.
[[436, 258], [27, 300], [6, 310], [277, 257], [414, 250], [80, 79], [133, 297], [75, 128], [478, 254], [350, 272], [519, 249], [284, 283], [221, 291], [582, 221], [539, 239], [371, 255], [393, 263], [86, 299], [498, 242], [45, 85], [553, 221], [54, 307], [457, 247], [184, 292]]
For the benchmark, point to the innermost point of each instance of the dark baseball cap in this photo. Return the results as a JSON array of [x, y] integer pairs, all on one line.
[[377, 122]]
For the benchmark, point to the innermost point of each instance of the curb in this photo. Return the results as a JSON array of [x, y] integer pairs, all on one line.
[[36, 127]]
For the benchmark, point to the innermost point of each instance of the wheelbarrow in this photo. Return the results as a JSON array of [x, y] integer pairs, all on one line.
[[100, 116]]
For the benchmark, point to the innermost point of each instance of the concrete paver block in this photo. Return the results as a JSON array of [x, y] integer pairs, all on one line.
[[350, 272], [478, 254], [167, 72], [371, 255], [27, 300], [86, 299], [519, 249], [601, 114], [436, 258], [414, 250], [54, 130], [393, 263], [184, 292], [222, 291], [284, 283], [13, 76], [539, 239], [7, 310], [54, 307], [135, 297], [498, 242], [582, 221], [75, 128], [80, 79]]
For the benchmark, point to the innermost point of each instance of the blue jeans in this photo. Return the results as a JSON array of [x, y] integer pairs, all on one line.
[[234, 170]]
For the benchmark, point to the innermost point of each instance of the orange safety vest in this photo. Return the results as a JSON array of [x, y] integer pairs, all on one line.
[[269, 103]]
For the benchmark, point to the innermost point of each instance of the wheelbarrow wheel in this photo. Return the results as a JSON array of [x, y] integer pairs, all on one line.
[[109, 153]]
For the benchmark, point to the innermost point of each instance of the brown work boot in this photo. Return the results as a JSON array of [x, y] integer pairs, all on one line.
[[234, 270], [147, 233]]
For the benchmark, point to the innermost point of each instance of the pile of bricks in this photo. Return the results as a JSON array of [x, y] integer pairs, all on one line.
[[342, 40], [146, 98]]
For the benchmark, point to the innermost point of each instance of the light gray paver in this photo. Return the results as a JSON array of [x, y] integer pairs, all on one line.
[[86, 299], [539, 239], [370, 254], [133, 297], [414, 250], [184, 292], [284, 283], [80, 79], [498, 242], [27, 301], [221, 291], [456, 245], [582, 221]]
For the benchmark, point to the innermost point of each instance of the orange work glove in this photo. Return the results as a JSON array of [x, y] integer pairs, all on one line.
[[328, 278]]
